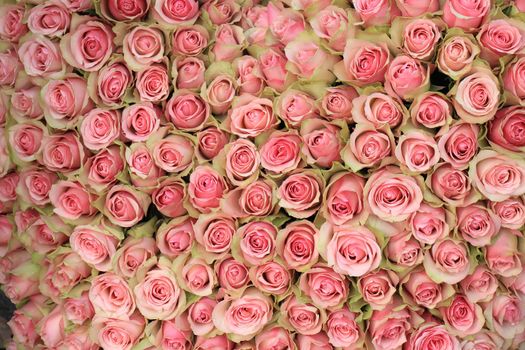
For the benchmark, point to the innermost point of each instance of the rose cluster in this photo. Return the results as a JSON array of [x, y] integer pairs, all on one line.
[[262, 175]]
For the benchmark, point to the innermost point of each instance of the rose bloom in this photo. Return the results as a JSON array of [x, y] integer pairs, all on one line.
[[250, 79], [477, 224], [175, 237], [206, 188], [71, 200], [342, 330], [242, 161], [281, 152], [94, 246], [502, 256], [10, 65], [403, 250], [406, 77], [376, 12], [317, 341], [467, 16], [512, 79], [503, 130], [415, 8], [218, 342], [133, 254], [447, 261], [274, 338], [256, 199], [229, 41], [300, 194], [116, 333], [52, 327], [417, 151], [506, 313], [388, 328], [47, 237], [273, 66], [459, 144], [99, 128], [103, 168], [325, 287], [6, 229], [463, 317], [456, 54], [222, 11], [432, 334], [321, 142], [350, 250], [173, 153], [200, 316], [124, 10], [24, 320], [500, 37], [111, 296], [79, 309], [420, 37], [169, 198], [451, 185], [332, 24], [250, 116], [363, 62], [511, 212], [195, 276], [232, 275], [285, 24], [243, 317], [8, 184], [295, 106], [429, 224], [12, 26], [343, 198], [188, 72], [25, 104], [220, 94], [189, 40], [214, 232], [304, 318], [41, 58], [109, 85], [124, 206], [378, 109], [152, 84], [337, 103], [480, 285], [296, 245], [210, 142], [257, 242], [308, 60], [158, 295], [477, 96], [186, 12], [187, 110], [378, 288], [88, 45], [140, 121], [367, 147], [142, 167], [142, 47], [271, 277], [497, 176], [173, 334], [34, 185], [431, 110], [483, 340], [421, 290]]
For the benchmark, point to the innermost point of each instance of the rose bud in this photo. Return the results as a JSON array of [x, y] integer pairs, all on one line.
[[25, 218], [244, 317], [376, 13], [220, 93], [281, 152], [189, 40], [10, 66], [229, 43], [199, 316], [456, 54], [502, 256], [378, 109], [407, 78], [321, 142], [420, 290], [11, 260], [232, 275], [218, 342], [71, 200], [140, 121], [47, 237], [78, 310], [300, 194], [41, 58], [210, 142], [52, 327], [337, 243], [337, 103], [250, 116], [34, 185], [459, 144], [195, 275], [431, 110], [378, 288], [12, 25], [467, 16], [483, 340], [6, 231], [173, 153], [124, 10], [511, 212], [308, 60], [77, 5], [432, 334], [175, 334], [447, 261], [506, 315], [342, 330], [25, 104], [480, 285], [477, 224], [271, 278], [256, 199], [388, 328], [451, 185], [492, 44], [332, 25], [403, 250], [242, 162], [109, 85], [430, 224], [273, 66], [284, 24], [124, 206], [296, 245], [325, 287], [142, 168], [143, 46], [171, 16], [463, 317], [214, 233], [363, 63], [169, 198], [133, 254], [188, 72], [152, 84], [158, 295], [99, 128], [111, 296], [497, 176], [187, 111], [503, 130], [250, 78], [419, 37], [102, 169], [175, 237], [222, 11], [417, 151], [274, 338], [116, 333], [25, 319], [8, 184], [256, 242], [317, 341], [206, 188], [302, 317], [78, 45], [512, 82], [343, 199], [94, 246], [415, 8]]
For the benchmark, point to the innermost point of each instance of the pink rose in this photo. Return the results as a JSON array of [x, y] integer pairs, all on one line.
[[511, 212], [463, 317], [432, 334], [8, 184], [415, 8], [296, 245], [477, 224], [214, 232], [456, 54], [308, 60], [169, 198], [388, 328], [152, 84], [502, 256], [62, 273], [35, 184], [243, 317], [142, 167], [195, 276], [403, 250], [281, 152], [12, 25], [124, 206], [273, 66], [199, 316], [250, 116], [158, 295], [451, 185], [111, 296], [417, 151], [484, 340], [229, 41], [94, 246], [300, 194], [271, 277], [406, 77], [6, 231], [174, 334], [218, 342], [77, 5], [220, 94], [378, 109], [512, 80], [497, 176], [256, 199], [173, 153], [506, 314], [133, 254], [467, 16], [189, 40], [10, 66], [422, 291], [502, 130], [232, 275], [124, 10], [429, 224], [71, 200], [274, 338], [88, 45], [325, 287], [143, 46], [250, 78], [99, 128], [102, 169], [363, 62], [109, 85], [378, 288], [317, 341], [242, 161], [140, 121], [376, 12], [431, 110], [78, 310], [337, 102], [24, 320], [257, 242], [52, 327], [186, 12], [420, 37], [46, 238], [284, 24], [304, 318], [332, 24], [494, 46], [322, 142], [18, 288], [25, 104], [206, 188], [188, 73], [187, 110], [211, 141], [41, 58], [459, 144], [351, 251], [175, 237], [447, 261], [78, 339], [342, 329], [115, 333], [222, 11]]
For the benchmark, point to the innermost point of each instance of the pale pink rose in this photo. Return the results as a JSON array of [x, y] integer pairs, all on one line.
[[417, 151], [4, 107], [65, 101], [158, 295], [511, 212], [250, 78], [199, 316], [308, 60], [229, 43], [415, 8], [174, 334], [102, 169], [115, 333], [285, 24], [243, 317], [337, 102], [6, 231], [477, 224], [109, 85], [351, 251], [12, 24], [99, 128], [211, 141], [218, 342], [12, 259], [222, 11], [35, 184], [250, 116], [173, 153], [404, 250], [378, 288], [78, 310], [44, 238], [296, 245], [456, 54], [484, 340], [256, 199], [24, 218], [94, 245], [189, 40], [10, 65], [71, 200], [497, 176], [25, 104], [242, 161], [78, 339], [18, 288], [88, 45], [463, 317], [376, 12], [317, 341], [111, 296], [500, 37], [256, 18], [420, 37], [480, 285], [388, 328], [321, 142], [142, 46], [343, 199], [257, 242], [170, 14], [363, 62], [506, 314], [447, 261], [52, 327], [142, 167], [429, 224], [169, 198], [175, 237], [422, 291], [325, 287], [273, 66], [432, 334], [24, 320], [8, 184], [77, 5], [139, 121], [296, 106], [502, 256], [125, 206], [465, 15], [503, 132], [188, 73], [459, 144], [206, 188], [512, 78], [214, 232], [197, 277], [430, 110], [406, 77], [232, 275], [220, 93], [281, 152], [152, 84], [477, 96], [451, 185], [124, 10], [133, 254], [332, 24], [274, 338], [300, 194], [187, 110], [271, 277], [304, 318], [41, 58], [342, 330], [378, 109]]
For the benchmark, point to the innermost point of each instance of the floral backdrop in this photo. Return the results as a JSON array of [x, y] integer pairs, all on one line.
[[266, 175]]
